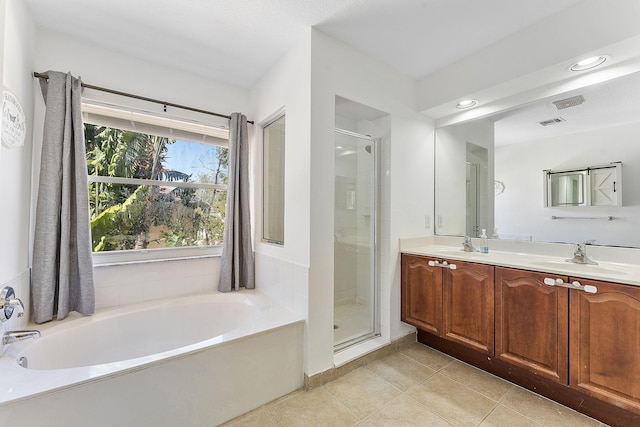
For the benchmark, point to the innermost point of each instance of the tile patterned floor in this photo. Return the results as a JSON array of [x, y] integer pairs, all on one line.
[[417, 386]]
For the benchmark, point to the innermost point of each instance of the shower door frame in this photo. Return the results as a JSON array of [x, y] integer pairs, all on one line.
[[373, 243]]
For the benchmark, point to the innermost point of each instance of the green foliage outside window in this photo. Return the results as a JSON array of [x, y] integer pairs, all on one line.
[[126, 216]]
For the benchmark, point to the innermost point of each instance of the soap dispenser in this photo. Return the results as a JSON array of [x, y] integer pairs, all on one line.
[[484, 243]]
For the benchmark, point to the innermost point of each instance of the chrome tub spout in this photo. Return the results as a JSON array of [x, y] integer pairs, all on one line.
[[13, 336]]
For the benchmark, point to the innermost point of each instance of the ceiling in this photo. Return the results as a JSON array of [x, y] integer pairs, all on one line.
[[236, 42], [605, 105]]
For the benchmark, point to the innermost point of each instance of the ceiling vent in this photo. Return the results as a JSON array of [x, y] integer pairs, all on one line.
[[569, 102], [551, 121]]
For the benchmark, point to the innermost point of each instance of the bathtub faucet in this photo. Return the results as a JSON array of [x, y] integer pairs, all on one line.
[[9, 303], [13, 336]]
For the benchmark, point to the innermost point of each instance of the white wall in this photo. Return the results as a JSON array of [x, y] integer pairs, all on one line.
[[286, 88], [282, 271], [407, 182], [520, 211], [299, 274], [17, 54], [111, 69]]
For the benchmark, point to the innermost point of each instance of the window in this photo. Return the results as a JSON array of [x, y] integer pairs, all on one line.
[[154, 183], [273, 182]]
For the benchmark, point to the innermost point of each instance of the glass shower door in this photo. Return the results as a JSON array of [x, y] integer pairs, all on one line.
[[355, 289]]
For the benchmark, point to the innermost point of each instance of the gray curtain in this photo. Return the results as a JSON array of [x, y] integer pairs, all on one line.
[[62, 271], [237, 256]]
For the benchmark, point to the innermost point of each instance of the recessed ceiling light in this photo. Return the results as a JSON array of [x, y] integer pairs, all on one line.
[[467, 103], [588, 63]]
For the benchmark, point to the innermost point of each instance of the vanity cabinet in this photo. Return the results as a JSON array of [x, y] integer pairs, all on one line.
[[532, 329], [456, 304], [605, 343], [578, 348]]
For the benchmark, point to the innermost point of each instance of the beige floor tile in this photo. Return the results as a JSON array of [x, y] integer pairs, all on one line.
[[314, 408], [400, 370], [426, 355], [503, 416], [418, 386], [545, 411], [362, 392], [482, 382], [404, 412], [257, 418], [452, 401]]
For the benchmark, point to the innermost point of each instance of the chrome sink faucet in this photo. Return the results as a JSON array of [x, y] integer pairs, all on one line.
[[467, 245], [580, 254]]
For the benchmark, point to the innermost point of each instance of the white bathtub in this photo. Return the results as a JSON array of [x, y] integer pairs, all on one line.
[[193, 361]]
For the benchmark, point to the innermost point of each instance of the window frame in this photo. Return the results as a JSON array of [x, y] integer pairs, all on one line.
[[131, 256], [279, 115]]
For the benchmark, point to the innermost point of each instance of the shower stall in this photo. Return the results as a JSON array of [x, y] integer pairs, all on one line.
[[356, 314]]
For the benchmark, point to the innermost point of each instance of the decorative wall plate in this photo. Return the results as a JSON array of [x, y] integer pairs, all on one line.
[[498, 187], [13, 127]]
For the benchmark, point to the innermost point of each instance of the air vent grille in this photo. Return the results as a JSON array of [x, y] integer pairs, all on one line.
[[569, 102], [553, 121]]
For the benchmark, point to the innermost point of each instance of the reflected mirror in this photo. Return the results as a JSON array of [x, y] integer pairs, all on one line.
[[594, 125], [566, 189]]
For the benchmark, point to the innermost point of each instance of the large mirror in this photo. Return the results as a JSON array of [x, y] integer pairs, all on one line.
[[489, 171]]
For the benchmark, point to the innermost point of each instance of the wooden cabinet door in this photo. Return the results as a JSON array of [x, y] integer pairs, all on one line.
[[421, 288], [605, 343], [532, 322], [468, 305]]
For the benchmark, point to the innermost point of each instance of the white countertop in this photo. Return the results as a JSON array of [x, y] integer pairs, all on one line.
[[541, 257]]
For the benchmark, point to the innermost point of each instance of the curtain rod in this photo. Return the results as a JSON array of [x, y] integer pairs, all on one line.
[[144, 98]]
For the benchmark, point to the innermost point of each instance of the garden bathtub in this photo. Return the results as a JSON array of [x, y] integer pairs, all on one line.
[[198, 360]]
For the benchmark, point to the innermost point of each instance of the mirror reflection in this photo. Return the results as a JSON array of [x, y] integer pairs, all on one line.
[[595, 125], [566, 189]]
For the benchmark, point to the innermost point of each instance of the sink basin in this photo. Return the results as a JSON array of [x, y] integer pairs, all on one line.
[[579, 268]]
